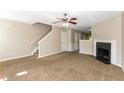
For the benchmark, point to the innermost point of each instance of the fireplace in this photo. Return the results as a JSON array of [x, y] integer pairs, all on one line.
[[103, 52]]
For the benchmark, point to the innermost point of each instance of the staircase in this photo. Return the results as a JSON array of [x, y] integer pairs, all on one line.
[[35, 45], [49, 44], [36, 53]]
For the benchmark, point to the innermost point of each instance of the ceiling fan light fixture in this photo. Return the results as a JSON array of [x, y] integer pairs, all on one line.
[[65, 24], [66, 21]]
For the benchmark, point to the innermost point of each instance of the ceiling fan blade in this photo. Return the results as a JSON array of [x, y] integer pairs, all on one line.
[[60, 18], [73, 18], [72, 22], [57, 22]]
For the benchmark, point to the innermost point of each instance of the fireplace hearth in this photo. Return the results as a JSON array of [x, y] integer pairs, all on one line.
[[103, 52]]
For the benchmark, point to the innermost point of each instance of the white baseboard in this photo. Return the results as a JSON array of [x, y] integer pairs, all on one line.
[[85, 53], [50, 54], [12, 58], [117, 64]]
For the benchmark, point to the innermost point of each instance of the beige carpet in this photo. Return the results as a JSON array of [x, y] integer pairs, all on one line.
[[63, 66]]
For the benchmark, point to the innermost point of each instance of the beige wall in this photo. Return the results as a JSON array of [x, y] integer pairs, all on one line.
[[109, 30], [122, 40], [16, 38], [43, 29], [51, 43]]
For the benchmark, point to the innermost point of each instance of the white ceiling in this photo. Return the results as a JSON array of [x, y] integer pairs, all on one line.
[[85, 19]]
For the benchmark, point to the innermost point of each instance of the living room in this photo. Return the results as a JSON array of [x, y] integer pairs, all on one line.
[[78, 45], [33, 41]]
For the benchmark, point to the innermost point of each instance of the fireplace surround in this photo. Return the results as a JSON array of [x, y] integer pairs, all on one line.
[[113, 49]]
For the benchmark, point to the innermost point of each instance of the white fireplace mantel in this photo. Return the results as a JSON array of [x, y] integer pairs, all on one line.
[[113, 49]]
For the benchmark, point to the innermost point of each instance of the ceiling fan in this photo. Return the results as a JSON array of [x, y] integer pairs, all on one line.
[[66, 20]]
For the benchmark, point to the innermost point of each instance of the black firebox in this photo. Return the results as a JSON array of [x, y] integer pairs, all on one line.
[[103, 52]]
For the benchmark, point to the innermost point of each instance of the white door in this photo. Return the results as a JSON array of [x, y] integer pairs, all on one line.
[[64, 41]]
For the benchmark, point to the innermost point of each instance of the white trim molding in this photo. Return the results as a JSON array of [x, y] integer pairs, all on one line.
[[13, 58], [50, 54]]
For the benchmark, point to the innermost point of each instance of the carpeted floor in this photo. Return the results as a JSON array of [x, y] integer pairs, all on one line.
[[63, 66]]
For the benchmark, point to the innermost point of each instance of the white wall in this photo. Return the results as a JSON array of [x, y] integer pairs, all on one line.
[[85, 47], [16, 38], [51, 43], [110, 30]]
